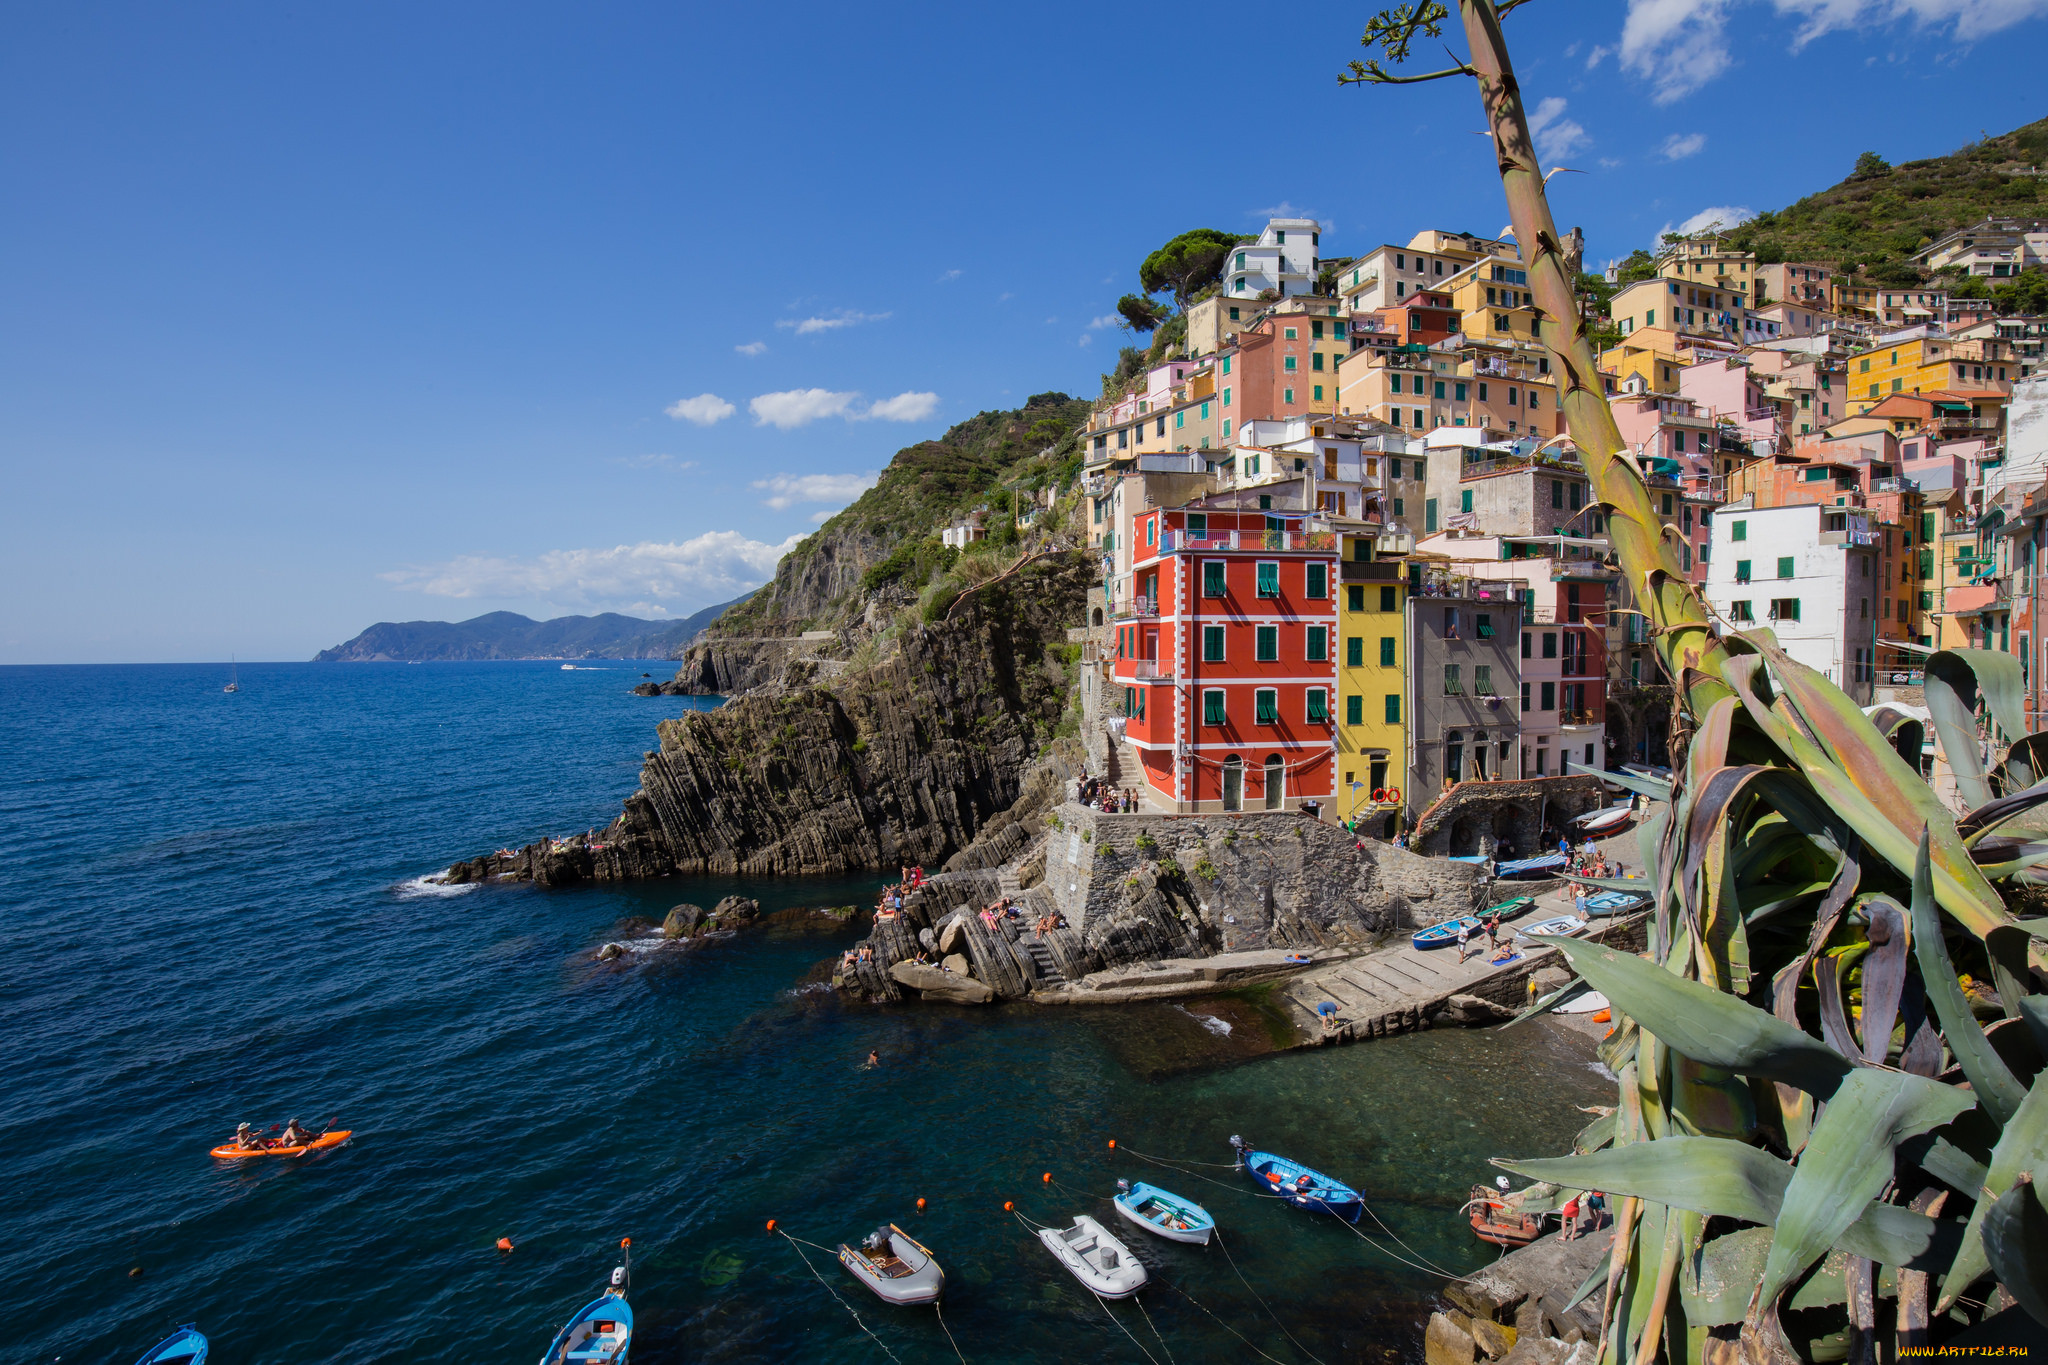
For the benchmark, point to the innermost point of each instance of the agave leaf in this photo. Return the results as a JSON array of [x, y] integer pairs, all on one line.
[[2022, 1146], [1981, 820], [1848, 1162], [1597, 1134], [1953, 1166], [1834, 1020], [2025, 764], [1548, 1002], [1993, 1082], [2016, 1239], [1656, 788], [1722, 1274], [1952, 678], [1595, 1277], [1884, 975], [1637, 885], [1704, 1024], [2034, 1009]]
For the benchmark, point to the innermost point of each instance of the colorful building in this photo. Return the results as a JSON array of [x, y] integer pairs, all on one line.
[[1372, 671]]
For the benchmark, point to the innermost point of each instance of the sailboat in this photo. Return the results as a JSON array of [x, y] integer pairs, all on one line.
[[234, 678]]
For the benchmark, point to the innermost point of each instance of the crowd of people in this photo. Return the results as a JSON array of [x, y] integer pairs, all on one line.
[[1097, 792], [1499, 949]]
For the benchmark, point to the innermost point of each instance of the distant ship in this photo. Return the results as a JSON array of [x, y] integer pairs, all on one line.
[[234, 677]]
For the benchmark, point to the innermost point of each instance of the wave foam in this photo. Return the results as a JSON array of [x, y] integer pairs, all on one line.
[[1219, 1027], [427, 886]]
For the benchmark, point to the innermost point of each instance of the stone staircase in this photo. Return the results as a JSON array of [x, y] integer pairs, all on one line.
[[1041, 957]]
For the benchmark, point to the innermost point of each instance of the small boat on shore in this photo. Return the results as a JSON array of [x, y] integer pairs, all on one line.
[[1509, 908], [186, 1346], [1530, 867], [899, 1268], [334, 1137], [1495, 1219], [1604, 903], [1301, 1186], [1606, 821], [1164, 1213], [1446, 931], [1562, 924], [1095, 1258], [601, 1333]]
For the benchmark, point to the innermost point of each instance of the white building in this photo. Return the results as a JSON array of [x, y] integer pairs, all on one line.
[[1807, 574], [1345, 463], [1282, 260]]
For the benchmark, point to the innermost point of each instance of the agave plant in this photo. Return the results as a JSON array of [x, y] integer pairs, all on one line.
[[1818, 1146]]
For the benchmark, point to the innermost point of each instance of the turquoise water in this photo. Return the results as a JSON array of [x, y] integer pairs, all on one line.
[[210, 914]]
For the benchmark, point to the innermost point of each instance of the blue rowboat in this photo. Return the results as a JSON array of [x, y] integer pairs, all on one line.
[[1164, 1213], [1437, 935], [1530, 867], [1302, 1187], [186, 1346], [1603, 903], [602, 1332]]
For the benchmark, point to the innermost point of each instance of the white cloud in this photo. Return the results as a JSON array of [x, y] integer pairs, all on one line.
[[704, 410], [1598, 55], [904, 407], [752, 348], [708, 568], [1679, 146], [798, 407], [1556, 136], [845, 318], [1721, 216], [1608, 163], [949, 276], [1284, 209], [1106, 320], [786, 490], [1680, 45], [1087, 339], [823, 514]]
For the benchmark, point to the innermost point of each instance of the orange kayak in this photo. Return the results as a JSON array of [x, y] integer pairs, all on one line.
[[331, 1139]]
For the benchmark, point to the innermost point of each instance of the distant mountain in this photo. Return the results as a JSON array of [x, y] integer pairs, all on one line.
[[508, 635]]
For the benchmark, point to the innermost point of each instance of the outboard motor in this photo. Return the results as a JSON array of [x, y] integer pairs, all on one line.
[[1123, 1187], [1237, 1146], [618, 1277]]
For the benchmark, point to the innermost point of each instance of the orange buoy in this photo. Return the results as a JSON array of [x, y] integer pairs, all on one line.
[[1047, 1177], [1112, 1144], [504, 1244], [920, 1205], [1008, 1206], [771, 1225], [625, 1241], [1604, 1017]]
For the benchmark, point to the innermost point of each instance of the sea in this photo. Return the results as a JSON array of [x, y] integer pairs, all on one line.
[[213, 909]]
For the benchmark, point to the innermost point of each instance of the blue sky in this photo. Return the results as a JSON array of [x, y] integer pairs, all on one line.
[[317, 316]]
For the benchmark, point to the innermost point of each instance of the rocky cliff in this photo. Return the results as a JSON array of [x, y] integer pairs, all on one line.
[[902, 761]]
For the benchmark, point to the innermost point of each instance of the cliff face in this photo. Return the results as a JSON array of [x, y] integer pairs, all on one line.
[[899, 763]]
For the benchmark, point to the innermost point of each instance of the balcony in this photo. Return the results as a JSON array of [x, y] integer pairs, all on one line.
[[1895, 486], [1583, 571], [1506, 591], [1177, 542], [1375, 571], [1860, 539], [1152, 670], [1573, 720], [1187, 463], [1136, 609]]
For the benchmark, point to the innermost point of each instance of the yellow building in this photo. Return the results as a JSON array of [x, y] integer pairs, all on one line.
[[1492, 297], [1708, 262], [1927, 365], [1372, 730], [1657, 369]]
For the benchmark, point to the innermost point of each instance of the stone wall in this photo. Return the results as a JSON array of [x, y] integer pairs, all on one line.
[[1473, 817]]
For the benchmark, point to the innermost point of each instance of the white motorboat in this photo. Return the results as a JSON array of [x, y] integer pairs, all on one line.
[[1095, 1258]]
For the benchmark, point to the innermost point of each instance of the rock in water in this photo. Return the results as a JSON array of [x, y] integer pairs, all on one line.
[[610, 951], [682, 921], [934, 984], [735, 912]]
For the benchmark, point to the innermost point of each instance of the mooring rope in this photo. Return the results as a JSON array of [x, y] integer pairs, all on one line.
[[1221, 1323], [835, 1293], [948, 1331], [1125, 1330], [1218, 1236], [1166, 1350]]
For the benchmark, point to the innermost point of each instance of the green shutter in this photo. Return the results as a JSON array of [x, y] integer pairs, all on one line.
[[1269, 580], [1785, 566], [1267, 707], [1354, 710], [1318, 580], [1354, 652], [1212, 707], [1212, 580], [1268, 637], [1212, 644], [1318, 705], [1429, 516], [1386, 651], [1393, 708], [1740, 531]]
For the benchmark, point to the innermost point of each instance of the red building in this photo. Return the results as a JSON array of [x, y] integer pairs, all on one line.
[[1228, 658]]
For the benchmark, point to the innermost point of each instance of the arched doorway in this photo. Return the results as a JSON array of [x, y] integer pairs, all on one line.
[[1095, 617], [1276, 782], [1233, 783]]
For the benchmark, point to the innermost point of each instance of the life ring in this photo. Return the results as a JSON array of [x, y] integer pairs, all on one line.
[[1394, 796], [1379, 794]]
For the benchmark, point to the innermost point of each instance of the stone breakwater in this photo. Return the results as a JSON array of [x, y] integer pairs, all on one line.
[[1244, 890], [902, 762]]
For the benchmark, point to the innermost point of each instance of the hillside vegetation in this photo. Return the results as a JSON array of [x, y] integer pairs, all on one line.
[[1875, 219], [508, 635], [889, 536]]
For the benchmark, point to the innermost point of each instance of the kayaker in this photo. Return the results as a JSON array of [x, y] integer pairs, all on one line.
[[245, 1137], [294, 1135]]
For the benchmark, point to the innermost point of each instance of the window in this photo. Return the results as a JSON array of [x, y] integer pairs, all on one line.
[[1386, 651], [1785, 563], [1482, 680], [1354, 709], [1288, 363], [1550, 644], [1741, 571], [1389, 598], [1319, 388], [1453, 687], [1738, 610], [1485, 626], [1556, 494], [1437, 390], [1266, 643], [1394, 384], [1291, 336], [1549, 697], [1315, 359], [1269, 578], [1212, 706], [1226, 359], [1458, 390], [1465, 500], [1266, 706], [1525, 696], [1318, 706], [1198, 524], [1354, 651], [1393, 708], [1784, 609], [1318, 580], [1213, 580], [1429, 516], [1318, 646], [1212, 644], [1528, 641]]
